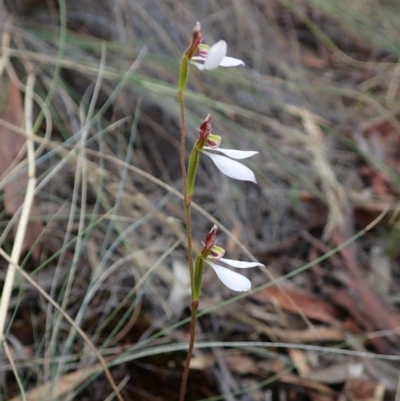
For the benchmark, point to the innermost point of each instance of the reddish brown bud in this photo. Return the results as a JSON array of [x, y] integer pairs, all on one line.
[[204, 131], [211, 240], [197, 38], [206, 125]]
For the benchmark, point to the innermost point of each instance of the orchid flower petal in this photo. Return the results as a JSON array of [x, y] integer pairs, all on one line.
[[239, 264], [232, 168], [232, 280], [230, 62], [198, 65], [215, 55], [234, 153]]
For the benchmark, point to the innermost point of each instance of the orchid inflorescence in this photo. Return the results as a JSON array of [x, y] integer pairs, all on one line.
[[206, 57], [209, 145]]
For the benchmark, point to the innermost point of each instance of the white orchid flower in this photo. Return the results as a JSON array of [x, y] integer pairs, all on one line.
[[211, 251], [214, 56], [229, 167], [233, 280]]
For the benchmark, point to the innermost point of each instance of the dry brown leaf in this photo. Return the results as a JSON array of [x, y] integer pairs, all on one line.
[[314, 396], [379, 138], [291, 378], [60, 388], [312, 335], [365, 390], [295, 300], [299, 359], [241, 364], [303, 336], [332, 374], [367, 307], [11, 153], [202, 362]]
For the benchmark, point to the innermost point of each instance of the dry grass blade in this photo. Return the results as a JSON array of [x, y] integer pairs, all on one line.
[[335, 194], [26, 208], [103, 363], [63, 387]]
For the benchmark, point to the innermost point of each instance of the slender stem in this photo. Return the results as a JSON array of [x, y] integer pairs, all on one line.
[[185, 375], [186, 199], [188, 220]]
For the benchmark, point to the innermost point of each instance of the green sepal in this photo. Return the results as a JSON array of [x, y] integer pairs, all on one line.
[[197, 278], [183, 74], [192, 170]]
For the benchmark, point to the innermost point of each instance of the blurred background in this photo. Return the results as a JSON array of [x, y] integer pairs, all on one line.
[[318, 98]]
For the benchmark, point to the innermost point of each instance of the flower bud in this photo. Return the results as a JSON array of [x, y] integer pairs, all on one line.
[[209, 243], [204, 132], [197, 38]]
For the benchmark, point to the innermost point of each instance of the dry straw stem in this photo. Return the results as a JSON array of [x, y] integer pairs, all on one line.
[[20, 235], [333, 190], [5, 23], [15, 371], [81, 182], [26, 207], [48, 298], [336, 196]]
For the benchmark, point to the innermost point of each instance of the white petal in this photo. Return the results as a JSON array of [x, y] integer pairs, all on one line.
[[198, 58], [198, 65], [230, 62], [234, 153], [232, 280], [239, 264], [215, 55], [232, 168]]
